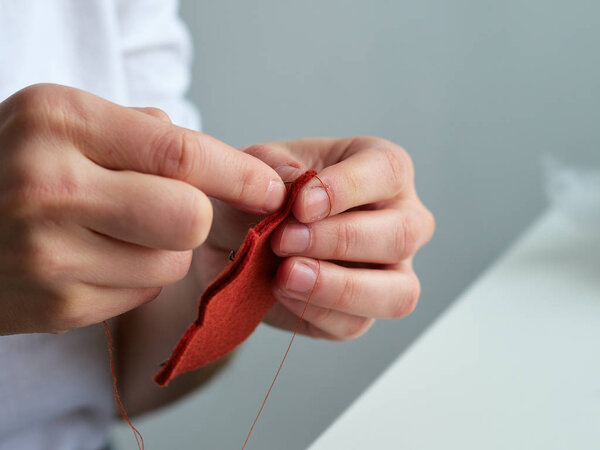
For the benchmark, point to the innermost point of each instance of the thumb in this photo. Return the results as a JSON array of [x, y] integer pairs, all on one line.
[[279, 158]]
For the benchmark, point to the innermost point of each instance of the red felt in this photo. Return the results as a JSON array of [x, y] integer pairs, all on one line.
[[235, 303]]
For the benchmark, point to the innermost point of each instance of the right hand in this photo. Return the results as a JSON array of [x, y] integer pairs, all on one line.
[[101, 205]]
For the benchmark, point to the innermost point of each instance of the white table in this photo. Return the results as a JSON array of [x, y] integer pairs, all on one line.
[[513, 364]]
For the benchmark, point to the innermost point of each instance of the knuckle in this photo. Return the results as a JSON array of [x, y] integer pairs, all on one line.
[[352, 180], [244, 187], [257, 150], [157, 113], [347, 294], [177, 154], [321, 315], [57, 194], [65, 311], [399, 166], [250, 184], [41, 107], [346, 241], [405, 304], [43, 189], [429, 224], [16, 198], [357, 328], [198, 211], [31, 98], [25, 171], [26, 117], [312, 330], [40, 260], [406, 237]]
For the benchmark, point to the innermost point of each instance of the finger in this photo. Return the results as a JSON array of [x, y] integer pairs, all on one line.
[[238, 222], [380, 294], [85, 304], [326, 323], [103, 261], [281, 317], [367, 176], [122, 138], [384, 236], [147, 210], [319, 152], [278, 157]]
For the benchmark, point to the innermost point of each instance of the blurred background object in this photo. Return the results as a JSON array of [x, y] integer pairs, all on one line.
[[576, 192], [476, 92]]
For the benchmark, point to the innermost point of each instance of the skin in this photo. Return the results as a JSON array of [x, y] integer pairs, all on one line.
[[361, 245], [103, 210]]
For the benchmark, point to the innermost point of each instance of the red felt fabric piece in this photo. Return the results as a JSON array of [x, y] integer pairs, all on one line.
[[233, 306]]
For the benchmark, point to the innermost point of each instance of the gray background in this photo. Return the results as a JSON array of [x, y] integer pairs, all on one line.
[[476, 91]]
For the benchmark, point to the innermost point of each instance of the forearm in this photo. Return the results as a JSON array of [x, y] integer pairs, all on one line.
[[146, 336]]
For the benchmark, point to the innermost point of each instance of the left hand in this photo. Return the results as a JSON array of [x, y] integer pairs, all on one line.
[[364, 241]]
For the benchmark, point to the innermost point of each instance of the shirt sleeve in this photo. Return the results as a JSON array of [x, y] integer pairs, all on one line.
[[157, 56]]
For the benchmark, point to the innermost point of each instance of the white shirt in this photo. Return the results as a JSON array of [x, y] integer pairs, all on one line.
[[55, 390]]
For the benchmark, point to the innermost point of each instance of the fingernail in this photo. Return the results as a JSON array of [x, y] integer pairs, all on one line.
[[295, 238], [301, 280], [316, 203], [275, 195]]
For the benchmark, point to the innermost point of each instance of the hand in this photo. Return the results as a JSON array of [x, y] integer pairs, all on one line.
[[364, 241], [101, 205]]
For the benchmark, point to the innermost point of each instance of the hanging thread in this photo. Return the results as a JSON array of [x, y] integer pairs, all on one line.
[[293, 335], [284, 357], [138, 436]]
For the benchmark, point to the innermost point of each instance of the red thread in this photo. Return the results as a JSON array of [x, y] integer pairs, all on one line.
[[295, 330], [138, 436], [284, 356], [327, 192]]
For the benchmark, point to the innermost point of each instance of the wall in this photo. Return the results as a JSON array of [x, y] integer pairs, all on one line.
[[476, 91]]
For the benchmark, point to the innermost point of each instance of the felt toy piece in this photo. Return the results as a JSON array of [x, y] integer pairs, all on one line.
[[233, 306]]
